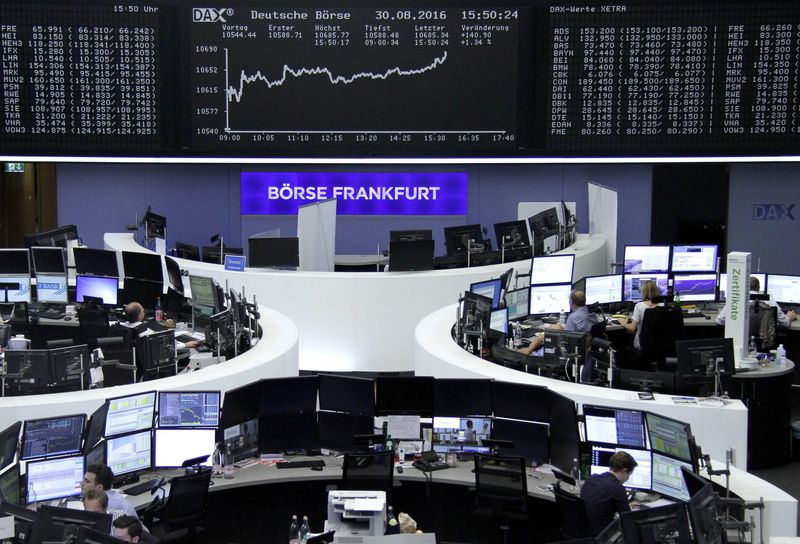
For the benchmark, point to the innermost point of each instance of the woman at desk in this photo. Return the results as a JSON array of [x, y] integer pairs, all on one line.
[[649, 291]]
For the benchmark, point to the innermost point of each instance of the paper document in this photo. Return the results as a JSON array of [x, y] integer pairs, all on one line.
[[367, 505]]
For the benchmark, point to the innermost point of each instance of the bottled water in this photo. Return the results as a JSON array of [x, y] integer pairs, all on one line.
[[294, 531], [304, 530]]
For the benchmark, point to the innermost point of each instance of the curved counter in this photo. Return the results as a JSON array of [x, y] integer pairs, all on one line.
[[274, 356], [362, 321], [716, 428]]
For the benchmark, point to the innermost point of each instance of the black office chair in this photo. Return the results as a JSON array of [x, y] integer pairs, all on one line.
[[371, 471], [5, 335], [92, 324], [501, 492], [660, 328], [574, 523], [763, 325], [181, 517]]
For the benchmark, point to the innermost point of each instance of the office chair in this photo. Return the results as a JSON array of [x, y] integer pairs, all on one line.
[[5, 335], [501, 491], [371, 471], [660, 328], [573, 520], [763, 325], [60, 343], [92, 324], [181, 517]]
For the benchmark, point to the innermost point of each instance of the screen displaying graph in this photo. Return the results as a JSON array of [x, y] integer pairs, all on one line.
[[308, 79]]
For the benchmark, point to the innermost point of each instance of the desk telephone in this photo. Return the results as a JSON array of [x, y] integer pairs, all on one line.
[[430, 462]]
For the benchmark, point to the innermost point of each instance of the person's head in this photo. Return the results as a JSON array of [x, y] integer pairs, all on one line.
[[621, 465], [134, 312], [97, 476], [577, 299], [755, 285], [469, 423], [649, 290], [95, 500], [127, 528]]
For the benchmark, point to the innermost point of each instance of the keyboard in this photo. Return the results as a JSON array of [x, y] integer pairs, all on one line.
[[185, 338], [141, 487], [529, 333], [301, 464], [50, 314], [689, 315]]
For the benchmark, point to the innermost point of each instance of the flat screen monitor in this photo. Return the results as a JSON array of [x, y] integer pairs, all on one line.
[[14, 262], [488, 288], [56, 237], [9, 443], [531, 440], [174, 274], [336, 430], [19, 289], [241, 440], [32, 364], [498, 322], [56, 524], [549, 299], [670, 437], [96, 455], [204, 294], [52, 436], [411, 395], [662, 525], [631, 290], [145, 292], [552, 269], [462, 397], [544, 224], [273, 252], [511, 234], [54, 478], [174, 446], [461, 431], [521, 401], [645, 259], [142, 266], [603, 289], [723, 283], [188, 408], [615, 426], [241, 404], [668, 477], [130, 413], [289, 395], [49, 260], [518, 303], [695, 258], [287, 432], [700, 358], [347, 394], [155, 353], [642, 474], [9, 485], [98, 287], [476, 313], [706, 525], [458, 239], [412, 256], [71, 366], [187, 251], [95, 262], [52, 288], [129, 453], [784, 288], [95, 427], [416, 235], [695, 287], [155, 225]]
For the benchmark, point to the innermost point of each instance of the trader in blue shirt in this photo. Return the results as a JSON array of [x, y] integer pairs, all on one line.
[[604, 494], [580, 318]]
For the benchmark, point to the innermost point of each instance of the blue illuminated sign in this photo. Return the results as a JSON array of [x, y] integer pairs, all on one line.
[[235, 263], [356, 193]]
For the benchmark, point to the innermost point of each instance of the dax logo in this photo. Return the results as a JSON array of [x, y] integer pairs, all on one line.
[[773, 212], [211, 15]]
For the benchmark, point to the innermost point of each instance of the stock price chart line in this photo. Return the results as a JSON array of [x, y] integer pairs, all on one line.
[[299, 79]]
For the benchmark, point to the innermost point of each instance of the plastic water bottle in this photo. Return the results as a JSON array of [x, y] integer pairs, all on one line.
[[227, 465], [517, 341], [677, 299], [575, 472], [294, 531], [159, 310], [216, 461], [562, 318], [392, 527], [752, 350], [304, 530], [780, 355]]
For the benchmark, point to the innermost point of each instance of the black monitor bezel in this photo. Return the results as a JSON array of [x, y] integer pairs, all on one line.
[[24, 457]]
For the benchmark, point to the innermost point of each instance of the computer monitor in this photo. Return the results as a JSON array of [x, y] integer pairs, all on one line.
[[488, 288], [52, 288], [49, 260], [241, 440], [19, 289], [187, 251], [544, 225], [174, 446], [98, 287], [668, 477], [552, 269], [56, 237], [462, 397], [96, 455], [336, 430], [632, 284], [95, 427], [9, 443], [145, 292], [397, 395], [670, 437], [273, 252], [71, 367], [521, 401], [411, 256], [518, 303], [705, 517], [155, 353], [130, 413], [9, 484], [498, 322], [174, 274], [476, 313], [461, 430], [289, 395], [603, 289], [155, 225], [416, 235], [700, 359], [220, 334], [784, 288], [662, 525], [641, 478], [54, 478], [614, 426], [531, 440], [459, 239], [347, 394], [204, 295], [646, 259], [33, 367], [549, 299], [57, 524], [142, 266], [188, 408], [694, 258], [52, 436], [723, 283], [560, 345], [287, 432], [640, 380], [129, 453], [14, 262], [695, 287], [95, 262], [511, 234], [241, 404]]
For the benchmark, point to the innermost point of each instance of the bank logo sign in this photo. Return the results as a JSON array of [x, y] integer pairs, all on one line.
[[773, 212], [356, 193]]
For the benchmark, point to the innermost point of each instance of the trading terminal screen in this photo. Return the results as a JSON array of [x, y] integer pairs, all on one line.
[[499, 321], [632, 285], [549, 299], [642, 259], [641, 478], [518, 303], [52, 436], [615, 426], [54, 478], [188, 409], [552, 269], [695, 287], [174, 446], [603, 289], [131, 413], [668, 477], [784, 288], [129, 453], [694, 258], [669, 437], [490, 289]]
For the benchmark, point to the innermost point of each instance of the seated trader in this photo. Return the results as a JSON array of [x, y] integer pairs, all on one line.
[[604, 494], [649, 291], [127, 528], [135, 315], [96, 500], [99, 476], [784, 319], [580, 320]]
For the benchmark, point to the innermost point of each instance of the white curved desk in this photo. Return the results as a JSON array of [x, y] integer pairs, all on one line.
[[274, 356], [362, 321]]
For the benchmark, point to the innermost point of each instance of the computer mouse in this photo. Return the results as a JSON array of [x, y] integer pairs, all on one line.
[[399, 469], [67, 318], [317, 468], [708, 317]]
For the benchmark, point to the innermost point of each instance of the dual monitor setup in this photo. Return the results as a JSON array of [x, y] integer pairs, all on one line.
[[262, 252]]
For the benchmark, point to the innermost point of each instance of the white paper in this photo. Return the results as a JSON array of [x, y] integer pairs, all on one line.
[[403, 427], [7, 527], [368, 505]]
